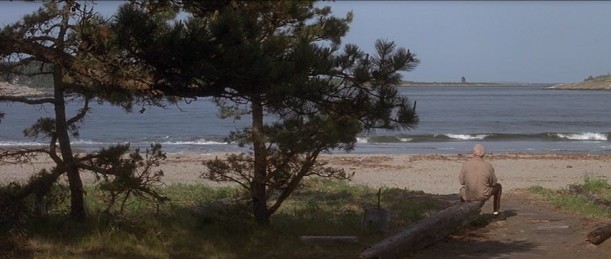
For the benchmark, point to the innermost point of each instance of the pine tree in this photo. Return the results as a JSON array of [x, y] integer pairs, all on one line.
[[277, 61], [69, 43]]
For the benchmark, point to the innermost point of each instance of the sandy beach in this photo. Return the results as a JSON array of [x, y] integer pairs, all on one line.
[[438, 174], [435, 174]]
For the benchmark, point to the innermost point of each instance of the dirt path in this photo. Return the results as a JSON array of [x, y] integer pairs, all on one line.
[[527, 229]]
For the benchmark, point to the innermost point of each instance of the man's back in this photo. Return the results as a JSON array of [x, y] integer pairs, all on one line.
[[477, 176]]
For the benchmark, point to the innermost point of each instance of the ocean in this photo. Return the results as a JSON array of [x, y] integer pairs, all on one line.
[[506, 119]]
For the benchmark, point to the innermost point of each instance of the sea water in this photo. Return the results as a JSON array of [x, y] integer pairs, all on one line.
[[506, 119]]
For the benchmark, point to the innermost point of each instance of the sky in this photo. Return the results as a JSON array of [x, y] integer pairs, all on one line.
[[483, 41]]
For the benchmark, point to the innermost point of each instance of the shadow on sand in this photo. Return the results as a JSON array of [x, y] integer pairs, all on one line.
[[473, 242]]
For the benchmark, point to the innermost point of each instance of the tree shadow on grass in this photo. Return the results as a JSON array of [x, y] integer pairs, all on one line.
[[221, 231], [226, 230], [104, 253], [474, 247], [14, 248]]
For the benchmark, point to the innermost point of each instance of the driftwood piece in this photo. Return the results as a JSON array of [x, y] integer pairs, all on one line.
[[425, 232], [328, 240], [599, 235]]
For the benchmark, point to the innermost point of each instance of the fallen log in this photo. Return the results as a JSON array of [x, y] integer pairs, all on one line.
[[599, 235], [328, 240], [425, 232]]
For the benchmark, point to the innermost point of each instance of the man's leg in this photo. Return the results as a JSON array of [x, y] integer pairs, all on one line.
[[497, 190]]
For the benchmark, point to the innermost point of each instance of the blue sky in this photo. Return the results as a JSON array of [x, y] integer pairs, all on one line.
[[495, 41]]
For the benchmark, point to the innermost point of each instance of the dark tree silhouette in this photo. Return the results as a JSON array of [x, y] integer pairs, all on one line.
[[68, 42], [279, 62]]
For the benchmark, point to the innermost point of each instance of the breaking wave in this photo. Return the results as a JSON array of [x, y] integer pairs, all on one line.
[[586, 136], [583, 136]]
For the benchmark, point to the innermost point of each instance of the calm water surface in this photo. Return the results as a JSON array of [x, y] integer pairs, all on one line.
[[452, 119]]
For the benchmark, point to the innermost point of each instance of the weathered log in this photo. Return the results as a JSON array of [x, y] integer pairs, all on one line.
[[328, 240], [425, 232], [599, 235]]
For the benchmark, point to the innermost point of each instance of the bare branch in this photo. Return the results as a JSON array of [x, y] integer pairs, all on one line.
[[82, 112]]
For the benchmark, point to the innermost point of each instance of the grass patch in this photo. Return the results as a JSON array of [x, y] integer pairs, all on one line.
[[204, 222], [579, 203], [598, 186]]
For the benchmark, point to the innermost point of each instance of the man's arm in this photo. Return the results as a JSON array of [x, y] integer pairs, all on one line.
[[492, 176]]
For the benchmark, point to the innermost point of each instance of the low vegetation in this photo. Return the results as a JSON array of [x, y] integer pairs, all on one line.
[[601, 82], [592, 198], [600, 78], [203, 222]]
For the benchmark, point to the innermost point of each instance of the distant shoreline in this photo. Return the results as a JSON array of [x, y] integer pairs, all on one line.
[[467, 84], [602, 82], [587, 85], [9, 89]]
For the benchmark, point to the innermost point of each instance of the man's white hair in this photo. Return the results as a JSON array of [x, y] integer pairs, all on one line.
[[479, 150]]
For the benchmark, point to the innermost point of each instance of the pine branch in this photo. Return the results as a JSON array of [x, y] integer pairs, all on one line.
[[20, 156]]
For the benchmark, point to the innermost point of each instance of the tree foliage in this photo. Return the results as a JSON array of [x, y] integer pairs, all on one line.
[[121, 177], [278, 61]]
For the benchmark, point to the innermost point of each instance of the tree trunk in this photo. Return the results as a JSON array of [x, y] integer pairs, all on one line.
[[77, 203], [425, 232], [600, 234], [258, 185]]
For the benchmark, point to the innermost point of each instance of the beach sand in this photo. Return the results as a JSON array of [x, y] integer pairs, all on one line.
[[435, 174]]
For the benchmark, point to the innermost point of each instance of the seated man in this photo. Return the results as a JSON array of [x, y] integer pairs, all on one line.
[[479, 181]]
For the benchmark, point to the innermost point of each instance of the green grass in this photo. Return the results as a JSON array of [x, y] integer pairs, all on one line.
[[578, 203], [204, 222], [598, 186]]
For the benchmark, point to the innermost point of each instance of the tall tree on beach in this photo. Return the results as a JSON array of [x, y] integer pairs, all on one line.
[[281, 63], [67, 41]]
